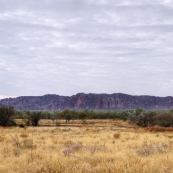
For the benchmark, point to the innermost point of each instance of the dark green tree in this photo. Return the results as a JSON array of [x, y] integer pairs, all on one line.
[[35, 117], [124, 115], [146, 119], [82, 115], [58, 115], [165, 119], [74, 114], [138, 111], [6, 112], [66, 115]]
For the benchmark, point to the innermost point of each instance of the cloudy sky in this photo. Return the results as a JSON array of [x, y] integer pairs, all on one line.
[[93, 46]]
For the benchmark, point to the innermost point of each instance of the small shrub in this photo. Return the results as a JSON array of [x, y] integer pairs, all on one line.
[[58, 124], [2, 138], [146, 151], [23, 135], [91, 148], [68, 151], [169, 129], [16, 141], [55, 141], [28, 143], [66, 130], [72, 147], [21, 125], [159, 129], [116, 135], [16, 152], [68, 143], [11, 123], [84, 122], [149, 148], [150, 129]]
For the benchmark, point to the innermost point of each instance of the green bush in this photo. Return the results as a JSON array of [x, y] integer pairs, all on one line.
[[6, 113], [35, 117]]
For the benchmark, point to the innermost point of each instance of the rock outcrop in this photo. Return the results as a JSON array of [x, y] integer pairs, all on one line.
[[83, 101]]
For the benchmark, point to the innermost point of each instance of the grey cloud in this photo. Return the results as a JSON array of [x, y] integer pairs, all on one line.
[[65, 47]]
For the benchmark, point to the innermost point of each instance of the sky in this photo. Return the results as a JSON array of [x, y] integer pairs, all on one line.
[[66, 47]]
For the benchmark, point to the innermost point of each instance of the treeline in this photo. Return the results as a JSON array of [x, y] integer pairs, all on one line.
[[138, 116]]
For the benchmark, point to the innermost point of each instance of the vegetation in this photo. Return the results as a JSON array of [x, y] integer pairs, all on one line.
[[35, 117], [110, 149], [66, 115], [86, 141], [139, 116], [6, 112]]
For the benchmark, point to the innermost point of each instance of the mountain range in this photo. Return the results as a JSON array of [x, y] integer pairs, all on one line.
[[82, 101]]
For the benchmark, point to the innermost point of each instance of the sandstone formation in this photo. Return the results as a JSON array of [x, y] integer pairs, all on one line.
[[83, 101]]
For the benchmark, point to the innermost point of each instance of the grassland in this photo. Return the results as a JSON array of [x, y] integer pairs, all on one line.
[[93, 147]]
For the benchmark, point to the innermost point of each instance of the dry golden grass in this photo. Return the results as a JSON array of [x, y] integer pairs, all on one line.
[[79, 123], [85, 150]]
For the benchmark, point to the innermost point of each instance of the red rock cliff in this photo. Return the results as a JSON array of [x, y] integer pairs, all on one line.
[[89, 101]]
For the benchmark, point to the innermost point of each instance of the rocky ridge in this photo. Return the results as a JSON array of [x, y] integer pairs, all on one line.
[[81, 101]]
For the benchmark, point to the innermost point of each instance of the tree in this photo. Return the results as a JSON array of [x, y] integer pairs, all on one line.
[[26, 118], [83, 115], [74, 114], [58, 115], [165, 119], [138, 111], [6, 112], [66, 114], [132, 116], [35, 117], [147, 119], [124, 115]]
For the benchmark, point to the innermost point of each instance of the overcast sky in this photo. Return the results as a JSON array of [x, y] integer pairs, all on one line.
[[93, 46]]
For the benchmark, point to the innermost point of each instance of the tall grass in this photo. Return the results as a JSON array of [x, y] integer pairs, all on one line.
[[84, 150]]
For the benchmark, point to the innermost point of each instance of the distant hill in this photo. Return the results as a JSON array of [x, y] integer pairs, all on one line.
[[83, 101]]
